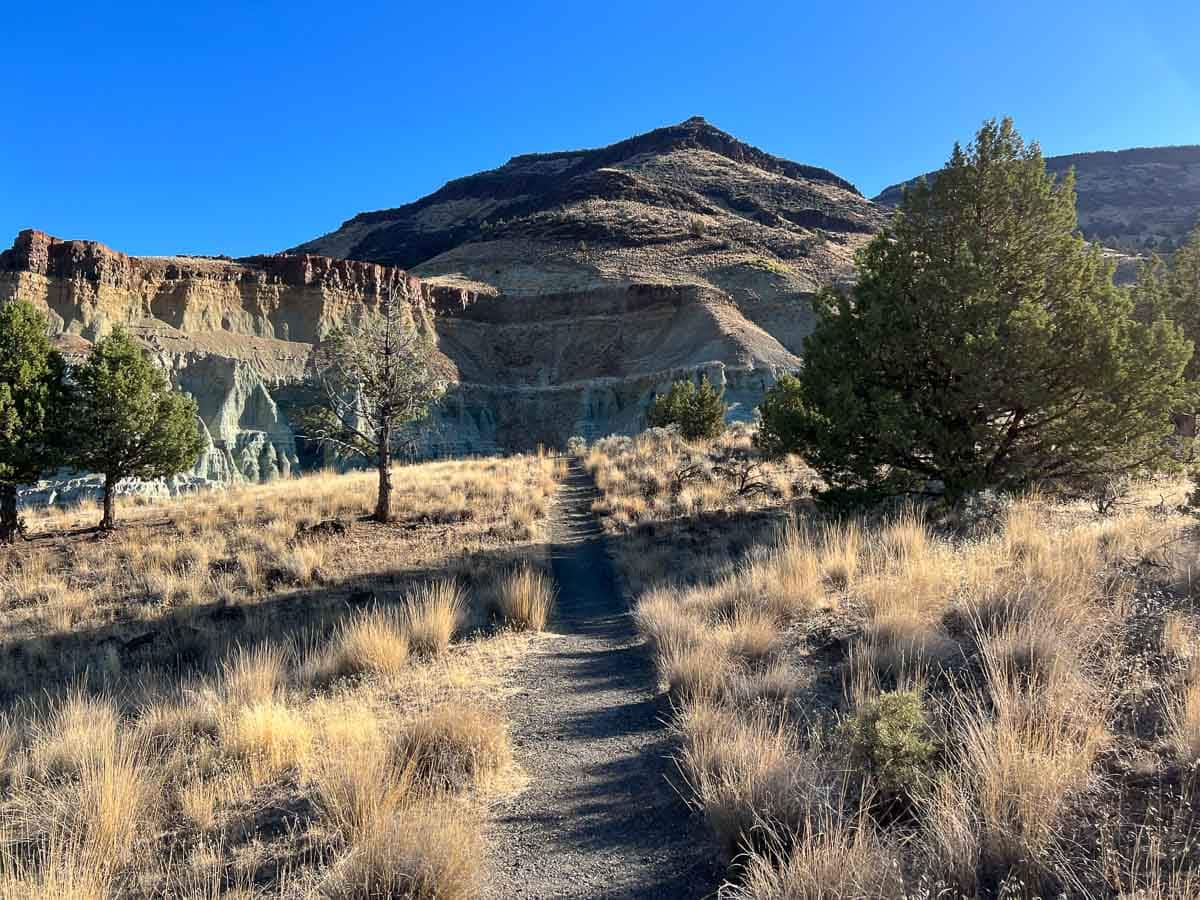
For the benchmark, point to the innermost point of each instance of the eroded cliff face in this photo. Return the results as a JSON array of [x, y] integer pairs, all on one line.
[[233, 334], [237, 335]]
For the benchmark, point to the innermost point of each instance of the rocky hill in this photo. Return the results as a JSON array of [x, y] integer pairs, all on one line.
[[569, 289], [684, 206], [1131, 200]]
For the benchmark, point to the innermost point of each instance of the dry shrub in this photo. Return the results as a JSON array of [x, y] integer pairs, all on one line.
[[370, 642], [453, 747], [424, 852], [524, 599], [432, 614]]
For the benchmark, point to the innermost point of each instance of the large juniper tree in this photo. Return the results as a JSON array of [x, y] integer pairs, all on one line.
[[984, 344], [372, 379], [127, 420], [33, 394]]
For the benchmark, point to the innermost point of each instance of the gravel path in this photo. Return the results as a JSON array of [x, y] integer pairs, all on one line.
[[599, 818]]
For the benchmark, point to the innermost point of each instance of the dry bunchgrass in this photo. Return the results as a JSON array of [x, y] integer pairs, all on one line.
[[432, 614], [830, 856], [746, 773], [525, 598], [1183, 718], [452, 747], [210, 706], [371, 642], [270, 737], [1016, 637], [253, 675], [426, 851]]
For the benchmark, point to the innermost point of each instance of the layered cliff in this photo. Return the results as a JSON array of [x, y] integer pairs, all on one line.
[[569, 288], [233, 334]]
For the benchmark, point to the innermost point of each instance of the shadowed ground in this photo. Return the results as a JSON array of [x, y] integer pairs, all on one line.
[[599, 817]]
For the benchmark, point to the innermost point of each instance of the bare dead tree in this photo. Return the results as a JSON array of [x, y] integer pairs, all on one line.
[[743, 469], [373, 378]]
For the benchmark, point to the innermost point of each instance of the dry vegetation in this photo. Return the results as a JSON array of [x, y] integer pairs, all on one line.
[[257, 694], [885, 707]]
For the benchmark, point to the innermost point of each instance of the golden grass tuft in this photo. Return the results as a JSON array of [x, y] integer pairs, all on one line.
[[369, 642], [1183, 719], [427, 851], [744, 773], [525, 598], [253, 675], [828, 857], [432, 614], [452, 747], [271, 737]]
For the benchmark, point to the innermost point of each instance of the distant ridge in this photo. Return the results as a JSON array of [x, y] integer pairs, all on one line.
[[1143, 198]]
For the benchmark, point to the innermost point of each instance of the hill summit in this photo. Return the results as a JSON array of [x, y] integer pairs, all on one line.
[[684, 204]]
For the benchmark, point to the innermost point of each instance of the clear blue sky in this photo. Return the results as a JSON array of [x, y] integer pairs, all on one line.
[[214, 127]]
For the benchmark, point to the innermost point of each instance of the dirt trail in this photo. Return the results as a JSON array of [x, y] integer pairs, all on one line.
[[598, 818]]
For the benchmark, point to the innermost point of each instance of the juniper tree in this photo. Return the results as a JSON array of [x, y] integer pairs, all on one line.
[[983, 345], [373, 378], [33, 395], [1171, 287], [127, 420], [699, 411]]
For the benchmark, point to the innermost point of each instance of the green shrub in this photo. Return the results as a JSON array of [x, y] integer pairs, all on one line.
[[892, 743], [698, 411]]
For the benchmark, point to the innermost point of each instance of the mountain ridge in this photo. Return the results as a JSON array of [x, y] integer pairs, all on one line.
[[1137, 200]]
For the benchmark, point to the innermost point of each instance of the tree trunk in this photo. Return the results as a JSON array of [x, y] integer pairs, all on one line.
[[383, 505], [110, 520], [10, 522]]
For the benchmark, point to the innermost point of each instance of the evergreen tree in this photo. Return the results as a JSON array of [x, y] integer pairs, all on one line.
[[984, 344], [1171, 287], [698, 411], [128, 422], [373, 378], [33, 395]]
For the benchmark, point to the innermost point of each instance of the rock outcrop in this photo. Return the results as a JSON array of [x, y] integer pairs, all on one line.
[[570, 288], [1137, 200]]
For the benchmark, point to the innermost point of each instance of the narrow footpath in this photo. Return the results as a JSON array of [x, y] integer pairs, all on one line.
[[599, 818]]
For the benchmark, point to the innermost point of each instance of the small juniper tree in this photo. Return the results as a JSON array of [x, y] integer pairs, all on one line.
[[127, 421], [33, 395], [698, 411], [1171, 287], [372, 379], [984, 344]]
